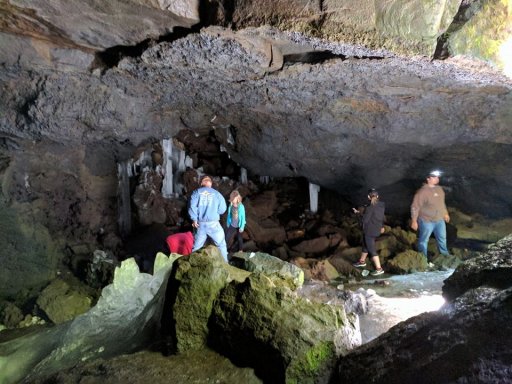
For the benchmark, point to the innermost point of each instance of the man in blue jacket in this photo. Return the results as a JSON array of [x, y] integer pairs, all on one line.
[[206, 206]]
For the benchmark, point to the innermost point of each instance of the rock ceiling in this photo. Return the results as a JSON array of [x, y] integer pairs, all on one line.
[[370, 105]]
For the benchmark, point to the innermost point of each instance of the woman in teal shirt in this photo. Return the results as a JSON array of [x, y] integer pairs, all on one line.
[[235, 219]]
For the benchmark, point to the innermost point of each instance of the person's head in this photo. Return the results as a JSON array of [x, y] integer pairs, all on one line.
[[206, 181], [373, 196], [235, 197], [433, 177]]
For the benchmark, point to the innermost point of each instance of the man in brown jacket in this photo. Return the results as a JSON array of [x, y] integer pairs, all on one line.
[[429, 214]]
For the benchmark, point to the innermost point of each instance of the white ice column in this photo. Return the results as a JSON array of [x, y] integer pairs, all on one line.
[[180, 166], [264, 179], [167, 182], [313, 197], [243, 175], [124, 171]]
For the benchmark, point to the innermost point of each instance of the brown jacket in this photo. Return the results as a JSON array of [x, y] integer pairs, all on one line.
[[428, 204]]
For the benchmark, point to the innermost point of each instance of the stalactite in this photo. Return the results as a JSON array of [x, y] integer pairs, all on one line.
[[243, 175], [167, 182], [313, 197], [124, 171]]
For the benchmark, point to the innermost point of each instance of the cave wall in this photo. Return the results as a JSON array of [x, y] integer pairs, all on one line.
[[358, 110]]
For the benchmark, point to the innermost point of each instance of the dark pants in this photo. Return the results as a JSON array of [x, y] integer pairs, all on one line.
[[369, 245], [230, 233]]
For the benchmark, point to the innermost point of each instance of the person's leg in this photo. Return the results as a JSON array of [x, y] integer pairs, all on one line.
[[199, 237], [230, 233], [425, 229], [440, 235], [364, 252], [376, 262], [240, 240], [216, 232]]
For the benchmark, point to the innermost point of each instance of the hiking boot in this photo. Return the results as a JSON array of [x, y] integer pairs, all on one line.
[[360, 264], [377, 272]]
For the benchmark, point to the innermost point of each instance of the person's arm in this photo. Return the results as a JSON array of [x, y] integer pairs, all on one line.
[[241, 217], [415, 210], [192, 209], [446, 215]]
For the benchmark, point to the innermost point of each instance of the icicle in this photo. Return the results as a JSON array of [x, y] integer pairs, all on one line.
[[189, 163], [313, 197], [264, 179], [243, 175], [180, 168], [124, 170], [167, 182]]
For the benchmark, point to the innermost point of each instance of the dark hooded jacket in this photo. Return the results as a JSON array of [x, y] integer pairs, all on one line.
[[373, 219]]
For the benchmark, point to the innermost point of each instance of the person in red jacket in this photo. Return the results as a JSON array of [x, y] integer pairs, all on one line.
[[180, 243]]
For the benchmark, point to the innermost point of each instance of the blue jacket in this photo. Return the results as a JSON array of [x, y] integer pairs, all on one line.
[[241, 216], [206, 204]]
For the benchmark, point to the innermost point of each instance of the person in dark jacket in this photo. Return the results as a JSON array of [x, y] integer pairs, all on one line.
[[372, 221]]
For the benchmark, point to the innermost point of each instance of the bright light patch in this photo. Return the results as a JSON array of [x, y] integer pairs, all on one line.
[[505, 54]]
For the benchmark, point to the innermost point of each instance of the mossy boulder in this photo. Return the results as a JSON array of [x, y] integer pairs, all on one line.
[[196, 284], [407, 262], [61, 302], [261, 322], [270, 266]]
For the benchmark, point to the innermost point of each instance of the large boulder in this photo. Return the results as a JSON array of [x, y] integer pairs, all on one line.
[[257, 318], [262, 323], [492, 268]]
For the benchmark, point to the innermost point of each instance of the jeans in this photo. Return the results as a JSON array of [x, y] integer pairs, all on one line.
[[214, 230], [425, 230]]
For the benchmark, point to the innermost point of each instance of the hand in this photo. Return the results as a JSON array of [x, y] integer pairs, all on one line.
[[195, 224], [414, 225], [355, 210], [382, 230], [447, 218], [240, 230]]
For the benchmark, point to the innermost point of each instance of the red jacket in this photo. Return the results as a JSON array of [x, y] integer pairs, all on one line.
[[180, 243]]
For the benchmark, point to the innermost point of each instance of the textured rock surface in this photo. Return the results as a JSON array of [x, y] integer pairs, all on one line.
[[491, 269], [345, 117], [466, 341]]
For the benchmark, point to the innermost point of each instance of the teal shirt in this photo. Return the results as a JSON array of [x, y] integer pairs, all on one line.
[[241, 216]]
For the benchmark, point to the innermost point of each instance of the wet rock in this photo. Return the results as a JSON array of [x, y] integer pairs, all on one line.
[[492, 268], [464, 342]]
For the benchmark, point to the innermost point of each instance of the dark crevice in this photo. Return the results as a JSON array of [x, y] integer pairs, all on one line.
[[316, 57], [467, 9], [312, 57]]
